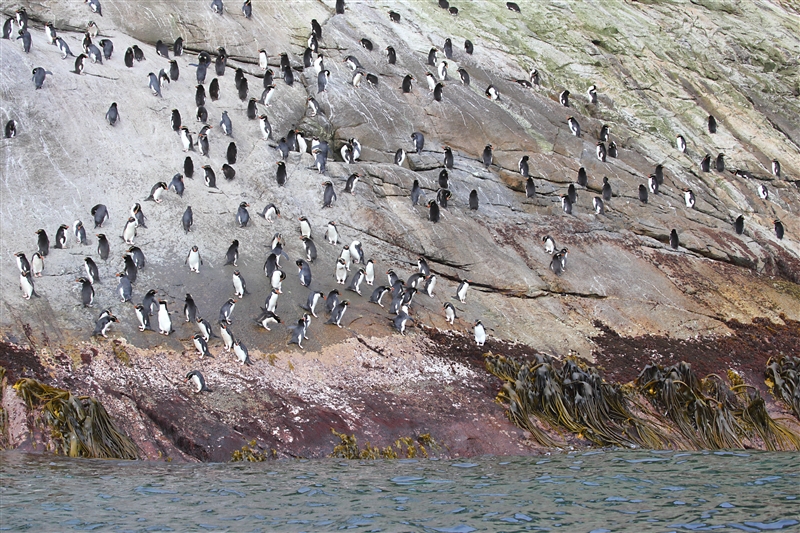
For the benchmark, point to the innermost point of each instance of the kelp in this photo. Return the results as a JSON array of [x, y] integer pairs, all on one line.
[[79, 424], [783, 379], [711, 415], [252, 454], [574, 398], [407, 447]]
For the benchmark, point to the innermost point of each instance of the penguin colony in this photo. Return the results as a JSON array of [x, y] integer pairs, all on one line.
[[353, 269]]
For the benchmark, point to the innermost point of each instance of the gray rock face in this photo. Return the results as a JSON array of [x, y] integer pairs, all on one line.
[[660, 70]]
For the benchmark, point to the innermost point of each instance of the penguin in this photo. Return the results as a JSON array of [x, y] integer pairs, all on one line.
[[612, 149], [394, 16], [356, 252], [312, 301], [22, 263], [449, 313], [599, 206], [512, 6], [194, 260], [461, 291], [102, 246], [688, 198], [391, 55], [196, 378], [720, 163], [124, 289], [778, 228], [11, 129], [240, 350], [487, 156], [558, 263], [63, 47], [244, 86], [276, 280], [79, 231], [129, 57], [566, 204], [468, 47], [201, 346], [202, 140], [79, 64], [601, 152], [43, 242], [129, 232], [416, 190], [355, 281], [463, 76], [247, 9], [221, 62], [319, 160], [533, 76], [705, 164], [205, 328], [175, 121], [366, 44], [642, 193], [432, 57], [673, 239], [738, 225], [401, 320], [358, 76], [186, 138], [7, 28], [377, 295], [280, 175], [137, 256], [491, 93], [652, 183], [329, 195], [232, 255], [209, 177], [712, 124], [480, 333], [776, 168], [574, 127], [563, 97], [406, 86], [352, 180], [530, 188], [154, 84], [338, 313], [473, 200], [418, 139], [763, 193], [572, 194], [226, 311], [239, 285], [156, 191], [87, 292], [187, 220], [606, 190], [524, 170], [331, 233], [680, 143], [264, 126], [549, 244], [103, 324], [399, 157], [143, 317], [39, 74], [174, 71], [431, 81], [242, 215], [433, 211], [592, 93], [441, 70], [227, 336], [444, 179], [130, 269], [217, 7], [304, 273], [341, 271], [37, 265], [94, 5], [231, 153], [177, 184], [322, 81], [271, 302], [394, 279], [200, 73]]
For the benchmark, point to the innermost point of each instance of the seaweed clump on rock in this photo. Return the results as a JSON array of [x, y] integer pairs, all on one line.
[[79, 425]]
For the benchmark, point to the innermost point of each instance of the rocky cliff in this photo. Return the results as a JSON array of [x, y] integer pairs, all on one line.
[[660, 69]]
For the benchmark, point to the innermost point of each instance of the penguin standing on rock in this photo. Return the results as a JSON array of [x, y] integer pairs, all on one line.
[[194, 260], [487, 156], [338, 313], [673, 239], [80, 232], [240, 350], [201, 345], [242, 216], [197, 381], [239, 285], [164, 321], [103, 324], [87, 292], [304, 272], [480, 333]]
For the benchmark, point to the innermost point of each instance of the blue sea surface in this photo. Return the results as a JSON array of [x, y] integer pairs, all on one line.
[[592, 492]]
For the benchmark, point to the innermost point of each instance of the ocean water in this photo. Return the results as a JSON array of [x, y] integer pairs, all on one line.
[[598, 491]]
